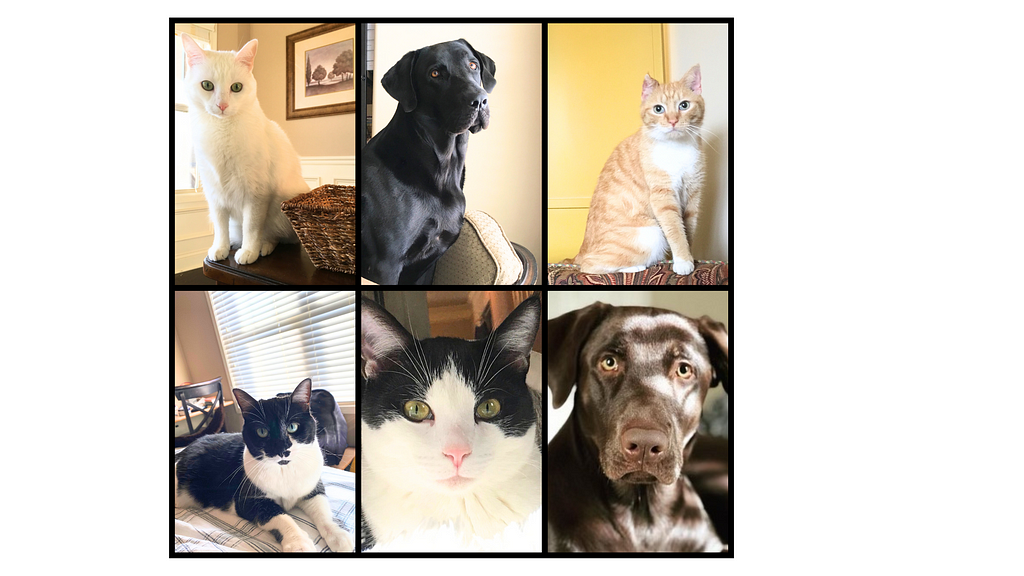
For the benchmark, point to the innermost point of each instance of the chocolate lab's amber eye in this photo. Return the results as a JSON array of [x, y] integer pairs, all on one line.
[[488, 409], [684, 370], [609, 363], [472, 65], [417, 411], [434, 73]]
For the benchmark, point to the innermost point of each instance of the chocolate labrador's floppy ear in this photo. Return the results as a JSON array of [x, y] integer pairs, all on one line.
[[398, 81], [381, 337], [566, 335], [716, 336], [487, 67]]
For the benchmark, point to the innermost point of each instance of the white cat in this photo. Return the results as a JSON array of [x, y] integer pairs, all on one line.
[[247, 166]]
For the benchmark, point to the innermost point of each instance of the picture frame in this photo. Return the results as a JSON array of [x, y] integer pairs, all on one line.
[[321, 71]]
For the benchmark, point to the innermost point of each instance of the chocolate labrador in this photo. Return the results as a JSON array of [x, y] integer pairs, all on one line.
[[413, 170], [615, 478]]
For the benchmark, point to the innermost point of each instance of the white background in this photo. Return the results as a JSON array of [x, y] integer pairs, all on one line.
[[875, 331]]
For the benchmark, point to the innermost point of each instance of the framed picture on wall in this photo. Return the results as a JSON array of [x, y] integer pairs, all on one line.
[[321, 71]]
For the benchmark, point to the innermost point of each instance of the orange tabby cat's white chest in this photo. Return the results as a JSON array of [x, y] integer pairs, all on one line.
[[676, 158]]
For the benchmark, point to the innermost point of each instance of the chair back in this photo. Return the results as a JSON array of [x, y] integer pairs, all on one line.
[[187, 395]]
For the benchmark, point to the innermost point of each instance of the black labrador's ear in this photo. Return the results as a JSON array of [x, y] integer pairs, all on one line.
[[398, 81], [513, 339], [566, 336], [716, 336], [302, 394], [487, 68], [381, 337]]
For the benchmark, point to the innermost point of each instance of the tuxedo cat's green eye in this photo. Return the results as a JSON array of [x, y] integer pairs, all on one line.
[[262, 432], [207, 85], [236, 87], [292, 428], [488, 408], [684, 105], [417, 411], [658, 109]]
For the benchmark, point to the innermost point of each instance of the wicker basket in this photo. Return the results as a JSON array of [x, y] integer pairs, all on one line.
[[325, 220]]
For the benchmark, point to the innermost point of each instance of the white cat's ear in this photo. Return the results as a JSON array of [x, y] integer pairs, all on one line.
[[246, 403], [381, 336], [247, 55], [303, 392], [649, 85], [193, 52], [692, 79], [514, 338]]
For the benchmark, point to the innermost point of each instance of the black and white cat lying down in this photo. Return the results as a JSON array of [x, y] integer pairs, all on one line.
[[272, 466], [450, 435]]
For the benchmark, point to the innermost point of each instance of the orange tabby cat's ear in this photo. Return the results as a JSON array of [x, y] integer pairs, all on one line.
[[247, 55], [649, 85], [692, 79]]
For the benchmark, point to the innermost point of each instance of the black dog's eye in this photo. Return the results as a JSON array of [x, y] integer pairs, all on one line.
[[434, 73], [472, 65]]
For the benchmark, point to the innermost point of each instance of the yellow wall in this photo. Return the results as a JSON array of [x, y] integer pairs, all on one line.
[[595, 74]]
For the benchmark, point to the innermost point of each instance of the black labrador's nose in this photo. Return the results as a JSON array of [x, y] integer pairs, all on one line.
[[478, 102], [644, 445]]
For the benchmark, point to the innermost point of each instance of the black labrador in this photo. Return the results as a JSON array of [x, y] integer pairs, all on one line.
[[615, 477], [414, 169]]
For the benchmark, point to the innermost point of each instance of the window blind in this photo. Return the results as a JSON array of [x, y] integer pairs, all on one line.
[[273, 340]]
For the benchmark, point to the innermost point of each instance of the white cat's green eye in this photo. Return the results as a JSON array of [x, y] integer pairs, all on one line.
[[416, 411], [207, 85], [658, 109], [236, 87], [684, 105], [262, 432], [684, 370], [292, 427], [488, 408]]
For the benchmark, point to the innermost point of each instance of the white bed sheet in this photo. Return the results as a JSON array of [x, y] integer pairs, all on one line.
[[213, 530]]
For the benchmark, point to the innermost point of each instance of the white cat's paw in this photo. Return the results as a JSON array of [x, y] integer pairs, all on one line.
[[337, 539], [218, 252], [246, 256], [682, 267], [267, 248], [298, 543]]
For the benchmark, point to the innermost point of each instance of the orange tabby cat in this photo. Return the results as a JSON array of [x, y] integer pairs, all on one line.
[[648, 194]]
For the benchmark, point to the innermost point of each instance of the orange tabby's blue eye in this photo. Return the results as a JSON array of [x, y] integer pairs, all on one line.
[[207, 85], [684, 105], [658, 109], [236, 87]]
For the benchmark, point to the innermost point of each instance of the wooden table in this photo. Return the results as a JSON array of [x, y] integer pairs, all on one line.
[[288, 265]]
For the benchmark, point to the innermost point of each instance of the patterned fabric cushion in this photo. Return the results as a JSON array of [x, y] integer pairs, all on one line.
[[706, 273], [481, 255]]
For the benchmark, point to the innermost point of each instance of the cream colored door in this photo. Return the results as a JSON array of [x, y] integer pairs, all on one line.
[[595, 73]]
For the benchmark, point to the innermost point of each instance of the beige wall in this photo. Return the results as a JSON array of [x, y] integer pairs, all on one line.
[[503, 169], [708, 45], [691, 303], [322, 136]]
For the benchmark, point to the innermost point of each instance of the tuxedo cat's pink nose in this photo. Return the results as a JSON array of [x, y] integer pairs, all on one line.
[[456, 453]]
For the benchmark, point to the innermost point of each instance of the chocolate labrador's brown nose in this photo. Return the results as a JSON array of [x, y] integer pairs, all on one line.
[[643, 445]]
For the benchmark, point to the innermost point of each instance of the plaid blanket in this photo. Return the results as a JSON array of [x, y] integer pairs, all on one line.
[[213, 530]]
